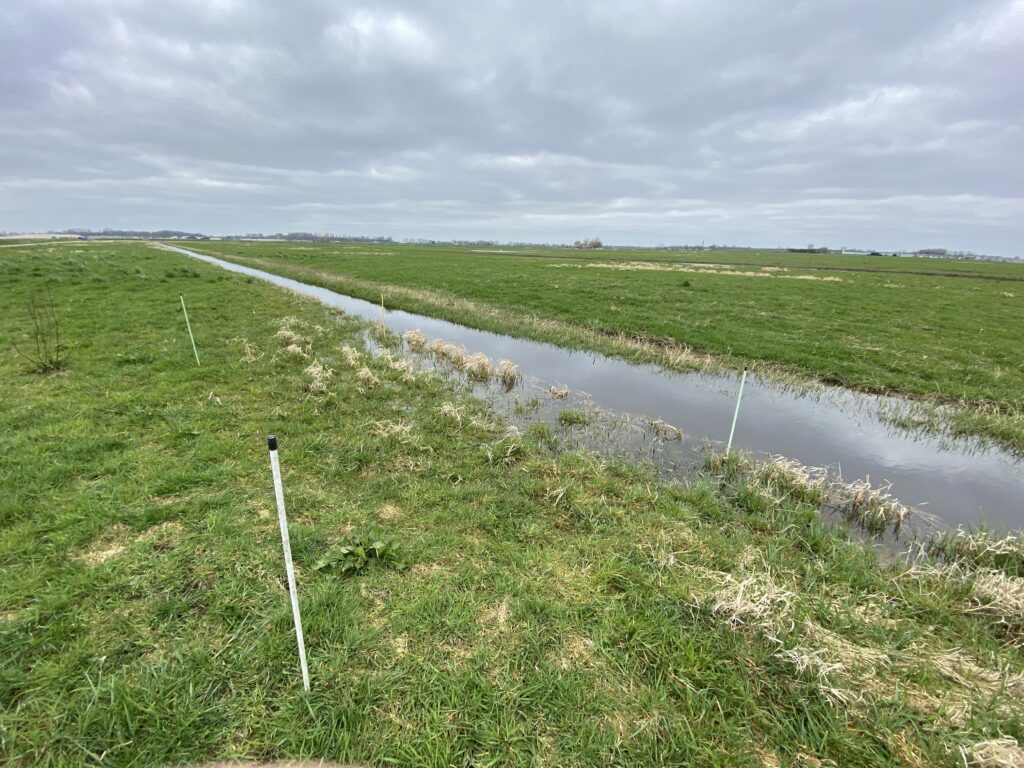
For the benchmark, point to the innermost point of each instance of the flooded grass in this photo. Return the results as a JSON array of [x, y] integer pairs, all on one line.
[[870, 508], [978, 548]]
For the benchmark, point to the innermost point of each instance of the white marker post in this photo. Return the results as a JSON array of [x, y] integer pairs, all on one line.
[[189, 326], [275, 468], [736, 413]]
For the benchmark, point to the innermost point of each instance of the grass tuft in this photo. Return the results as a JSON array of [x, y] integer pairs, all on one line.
[[415, 340], [319, 374]]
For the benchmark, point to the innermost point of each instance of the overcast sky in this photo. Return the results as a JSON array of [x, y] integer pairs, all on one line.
[[874, 123]]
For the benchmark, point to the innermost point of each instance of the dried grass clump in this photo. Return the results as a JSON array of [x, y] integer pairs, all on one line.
[[415, 340], [994, 592], [507, 374], [756, 602], [559, 393], [386, 429], [682, 357], [367, 377], [449, 353], [981, 681], [995, 753], [814, 662], [352, 357], [782, 475], [478, 367], [576, 652], [295, 350], [759, 603], [399, 365], [252, 352], [112, 543], [978, 549], [289, 336], [664, 430], [451, 412], [404, 367], [990, 591], [506, 451], [834, 660], [873, 509], [319, 374]]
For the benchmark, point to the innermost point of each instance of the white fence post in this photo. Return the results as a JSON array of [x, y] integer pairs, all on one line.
[[275, 468], [736, 413], [189, 326]]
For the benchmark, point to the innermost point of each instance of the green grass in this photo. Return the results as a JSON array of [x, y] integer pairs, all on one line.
[[573, 418], [539, 609], [949, 334]]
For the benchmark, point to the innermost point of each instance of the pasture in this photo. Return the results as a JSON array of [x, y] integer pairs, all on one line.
[[536, 607]]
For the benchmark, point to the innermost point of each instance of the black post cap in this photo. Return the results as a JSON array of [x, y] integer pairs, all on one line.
[[272, 442]]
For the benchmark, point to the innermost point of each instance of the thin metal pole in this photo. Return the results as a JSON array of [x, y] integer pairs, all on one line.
[[736, 413], [275, 468], [189, 326]]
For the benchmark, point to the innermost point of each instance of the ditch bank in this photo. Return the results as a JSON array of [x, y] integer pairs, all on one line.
[[959, 481]]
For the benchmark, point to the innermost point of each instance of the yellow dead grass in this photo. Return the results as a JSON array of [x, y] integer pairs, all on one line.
[[494, 618], [996, 753], [706, 269], [389, 512], [114, 541]]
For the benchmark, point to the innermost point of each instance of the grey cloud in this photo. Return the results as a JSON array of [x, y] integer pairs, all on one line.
[[870, 123]]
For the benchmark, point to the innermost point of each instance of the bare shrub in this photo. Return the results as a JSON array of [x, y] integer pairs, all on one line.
[[47, 354]]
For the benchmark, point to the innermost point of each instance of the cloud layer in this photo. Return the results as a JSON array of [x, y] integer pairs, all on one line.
[[839, 122]]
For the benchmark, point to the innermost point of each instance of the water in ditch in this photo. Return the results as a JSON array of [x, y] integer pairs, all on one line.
[[957, 481]]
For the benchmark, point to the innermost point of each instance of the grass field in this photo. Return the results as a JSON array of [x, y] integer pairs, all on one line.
[[540, 608], [19, 241], [940, 338]]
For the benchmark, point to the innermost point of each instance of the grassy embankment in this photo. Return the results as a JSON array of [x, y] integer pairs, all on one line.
[[541, 609], [939, 338]]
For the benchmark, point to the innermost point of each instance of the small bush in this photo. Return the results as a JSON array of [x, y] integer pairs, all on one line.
[[48, 355]]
